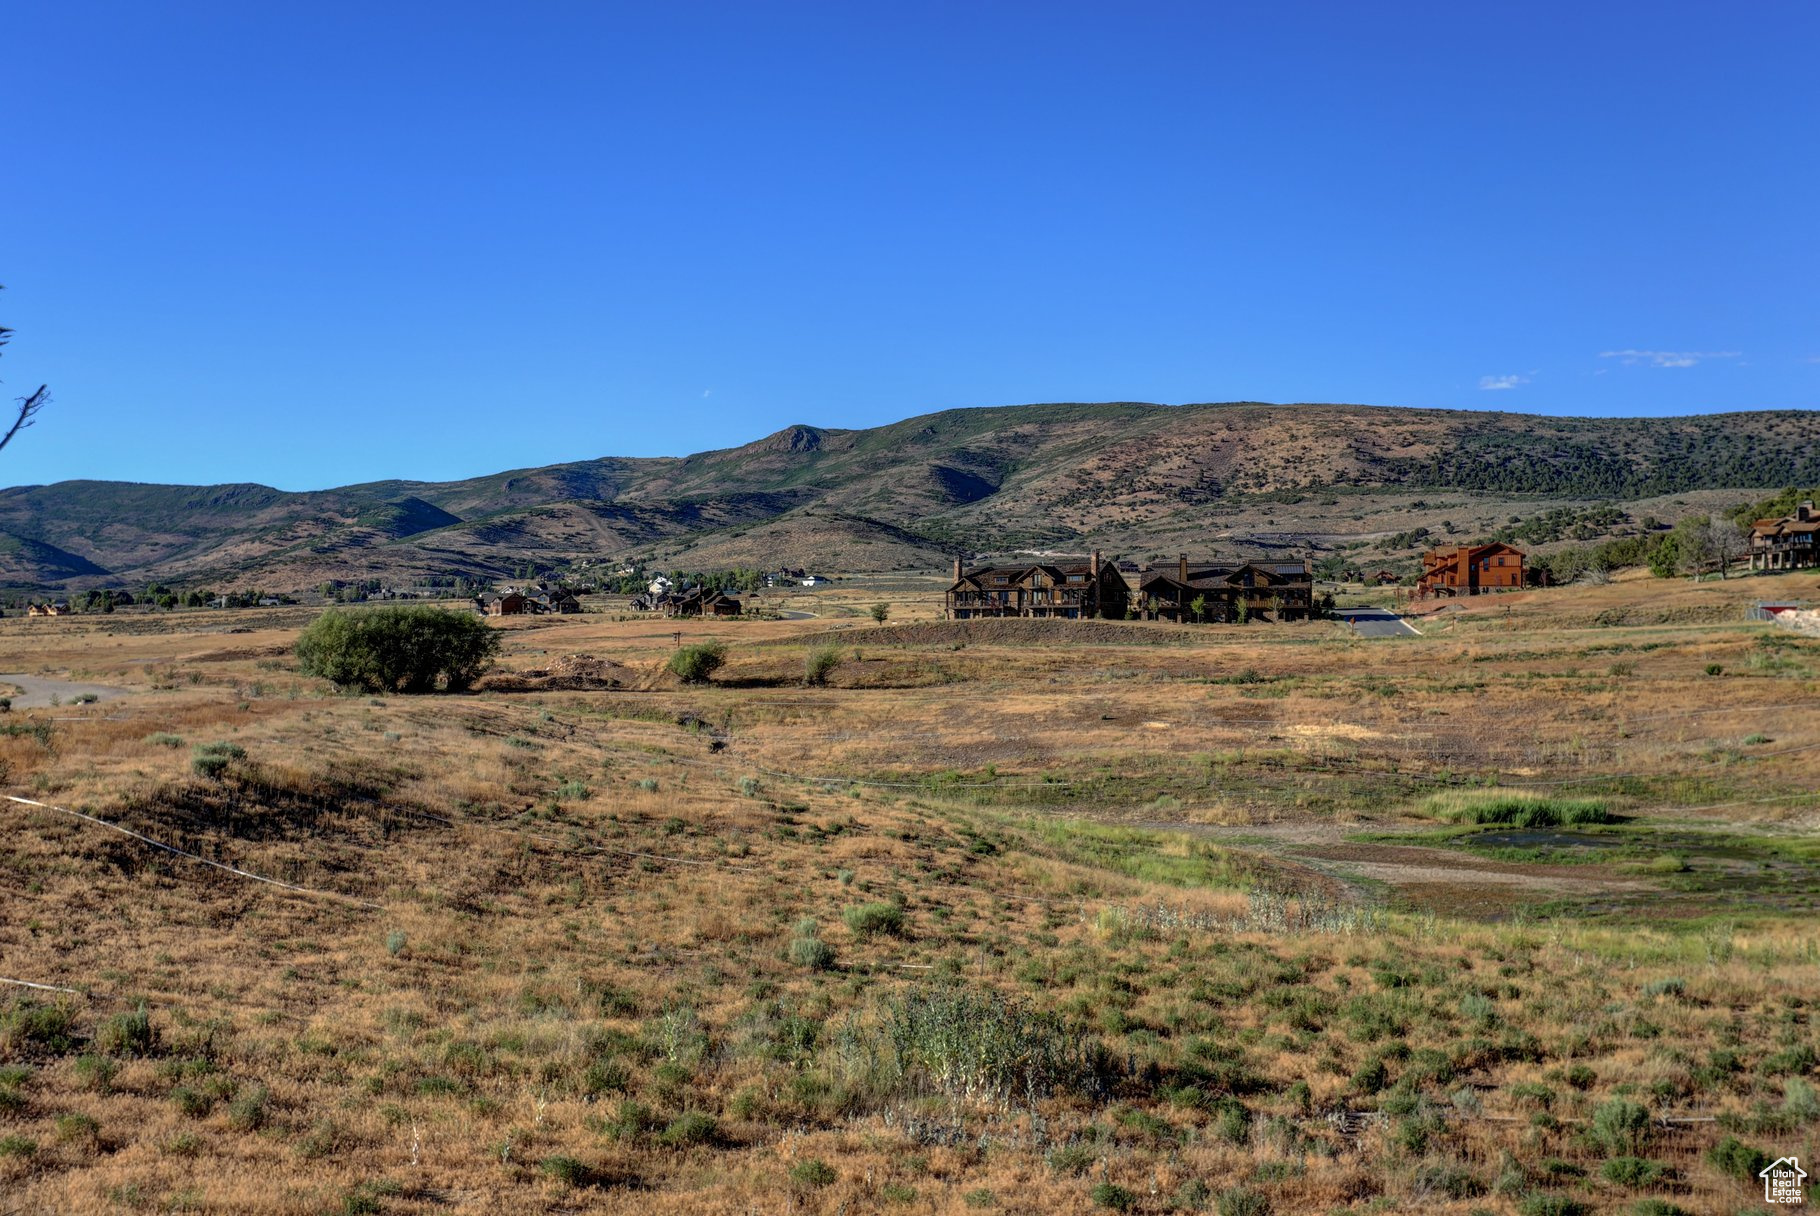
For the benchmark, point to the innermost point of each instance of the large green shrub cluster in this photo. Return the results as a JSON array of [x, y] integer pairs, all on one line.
[[697, 664], [410, 649]]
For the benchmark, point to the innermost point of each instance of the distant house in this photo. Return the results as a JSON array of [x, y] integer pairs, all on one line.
[[510, 603], [37, 610], [1471, 570], [563, 603], [697, 601], [659, 586], [1074, 590], [59, 608], [810, 580], [1786, 543], [1227, 591]]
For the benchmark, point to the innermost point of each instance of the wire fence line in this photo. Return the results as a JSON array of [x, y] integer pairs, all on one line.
[[219, 865], [42, 987]]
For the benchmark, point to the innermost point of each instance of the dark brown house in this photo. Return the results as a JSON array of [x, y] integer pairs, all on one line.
[[1227, 591], [511, 603], [1074, 590], [1787, 543], [697, 602], [560, 602], [1471, 570]]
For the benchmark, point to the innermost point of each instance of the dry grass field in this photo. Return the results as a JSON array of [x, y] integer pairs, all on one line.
[[1518, 916]]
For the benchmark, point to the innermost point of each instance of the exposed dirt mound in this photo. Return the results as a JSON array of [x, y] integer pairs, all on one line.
[[1010, 632], [571, 673]]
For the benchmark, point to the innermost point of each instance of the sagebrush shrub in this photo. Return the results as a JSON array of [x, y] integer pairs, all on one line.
[[697, 664], [819, 664]]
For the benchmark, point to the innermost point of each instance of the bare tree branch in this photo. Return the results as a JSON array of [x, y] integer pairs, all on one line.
[[28, 406]]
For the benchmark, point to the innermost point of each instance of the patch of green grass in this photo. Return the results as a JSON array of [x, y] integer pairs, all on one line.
[[18, 1147], [1171, 858], [1514, 809]]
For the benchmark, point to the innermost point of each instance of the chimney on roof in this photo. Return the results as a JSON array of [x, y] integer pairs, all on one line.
[[1182, 569], [1093, 564], [957, 569], [1805, 511]]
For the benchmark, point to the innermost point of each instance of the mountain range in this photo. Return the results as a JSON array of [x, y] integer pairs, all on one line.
[[1131, 478]]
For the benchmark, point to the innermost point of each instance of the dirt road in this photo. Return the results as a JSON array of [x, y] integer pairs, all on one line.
[[36, 692]]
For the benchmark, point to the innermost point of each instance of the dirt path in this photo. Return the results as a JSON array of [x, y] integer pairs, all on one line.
[[37, 692], [1422, 872], [1403, 865]]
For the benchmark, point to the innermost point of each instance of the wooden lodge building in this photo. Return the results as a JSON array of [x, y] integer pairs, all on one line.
[[1787, 543], [697, 601], [513, 602], [1072, 589], [1228, 592], [510, 603], [1471, 570]]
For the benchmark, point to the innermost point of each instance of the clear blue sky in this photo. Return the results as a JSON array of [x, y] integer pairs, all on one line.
[[312, 244]]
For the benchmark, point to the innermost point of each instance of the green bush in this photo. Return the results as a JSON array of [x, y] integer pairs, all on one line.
[[629, 1122], [697, 664], [1547, 1203], [212, 759], [1742, 1161], [1242, 1202], [127, 1034], [980, 1045], [96, 1072], [27, 1027], [404, 649], [869, 920], [193, 1102], [813, 1172], [819, 664], [1657, 1207], [248, 1112], [566, 1170], [690, 1127], [77, 1126], [1454, 1181], [808, 950], [1633, 1172], [605, 1076], [1112, 1195], [1192, 1196], [1619, 1127]]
